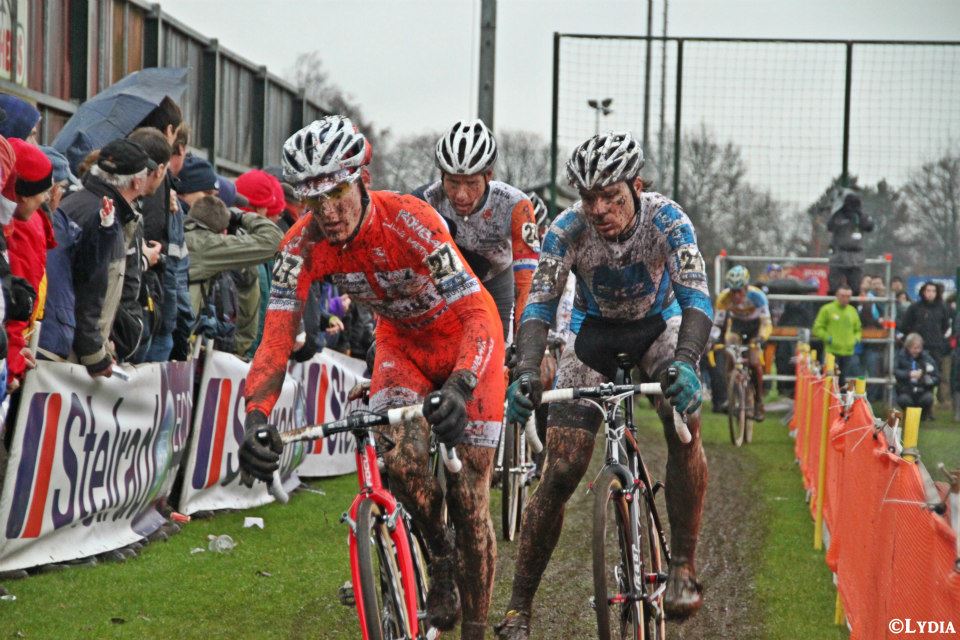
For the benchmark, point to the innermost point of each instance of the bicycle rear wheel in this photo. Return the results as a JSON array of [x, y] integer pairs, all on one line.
[[418, 551], [512, 481], [736, 408], [381, 586], [615, 592]]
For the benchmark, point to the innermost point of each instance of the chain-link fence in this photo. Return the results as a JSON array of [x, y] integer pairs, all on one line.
[[762, 129]]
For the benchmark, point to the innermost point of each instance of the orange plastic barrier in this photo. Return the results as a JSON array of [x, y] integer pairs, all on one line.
[[894, 559]]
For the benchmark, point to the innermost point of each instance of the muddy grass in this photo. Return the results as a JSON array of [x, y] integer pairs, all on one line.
[[731, 534]]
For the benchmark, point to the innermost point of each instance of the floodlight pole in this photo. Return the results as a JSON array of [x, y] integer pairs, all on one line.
[[646, 78]]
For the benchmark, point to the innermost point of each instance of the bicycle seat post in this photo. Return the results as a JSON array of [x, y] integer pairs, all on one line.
[[625, 365]]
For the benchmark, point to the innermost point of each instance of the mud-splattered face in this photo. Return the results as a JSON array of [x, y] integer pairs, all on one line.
[[465, 192], [609, 209], [338, 211], [739, 295]]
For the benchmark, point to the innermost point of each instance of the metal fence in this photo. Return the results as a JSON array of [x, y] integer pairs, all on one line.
[[239, 112], [798, 113]]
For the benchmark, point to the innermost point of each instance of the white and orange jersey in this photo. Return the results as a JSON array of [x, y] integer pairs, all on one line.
[[501, 234]]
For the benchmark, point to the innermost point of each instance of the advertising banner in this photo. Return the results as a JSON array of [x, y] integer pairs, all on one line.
[[90, 459], [211, 477]]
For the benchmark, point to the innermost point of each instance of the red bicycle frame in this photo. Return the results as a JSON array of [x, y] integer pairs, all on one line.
[[371, 488]]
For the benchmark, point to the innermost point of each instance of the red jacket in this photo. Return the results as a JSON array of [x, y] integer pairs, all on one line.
[[27, 245]]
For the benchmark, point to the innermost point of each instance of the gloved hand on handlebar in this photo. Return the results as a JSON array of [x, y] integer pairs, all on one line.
[[448, 416], [684, 391], [259, 461], [519, 404]]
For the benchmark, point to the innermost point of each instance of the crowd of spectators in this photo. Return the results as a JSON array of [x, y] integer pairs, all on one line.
[[143, 251]]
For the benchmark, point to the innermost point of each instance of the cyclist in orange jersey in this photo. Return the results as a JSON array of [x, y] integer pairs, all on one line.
[[438, 336]]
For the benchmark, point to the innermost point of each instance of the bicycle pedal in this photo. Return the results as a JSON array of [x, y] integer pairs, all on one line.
[[345, 594], [655, 578]]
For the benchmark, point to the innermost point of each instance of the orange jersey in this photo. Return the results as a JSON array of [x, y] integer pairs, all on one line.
[[403, 264]]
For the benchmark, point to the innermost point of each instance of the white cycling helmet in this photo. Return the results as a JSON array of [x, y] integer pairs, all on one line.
[[467, 148], [324, 154], [539, 208], [738, 277], [604, 160]]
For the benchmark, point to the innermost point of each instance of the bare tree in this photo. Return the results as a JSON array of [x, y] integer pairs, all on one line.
[[308, 72], [409, 163], [524, 159], [932, 198]]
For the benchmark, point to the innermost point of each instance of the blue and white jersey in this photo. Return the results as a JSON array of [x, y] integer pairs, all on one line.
[[657, 269]]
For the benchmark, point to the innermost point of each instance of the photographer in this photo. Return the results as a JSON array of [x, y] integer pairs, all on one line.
[[847, 225], [917, 376]]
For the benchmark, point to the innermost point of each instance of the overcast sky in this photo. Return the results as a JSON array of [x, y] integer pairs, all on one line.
[[412, 65]]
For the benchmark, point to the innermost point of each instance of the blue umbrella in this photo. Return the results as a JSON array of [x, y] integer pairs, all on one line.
[[117, 110]]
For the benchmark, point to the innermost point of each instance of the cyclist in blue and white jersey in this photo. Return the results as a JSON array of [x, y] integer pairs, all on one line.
[[641, 290]]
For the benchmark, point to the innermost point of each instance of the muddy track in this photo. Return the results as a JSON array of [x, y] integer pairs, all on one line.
[[726, 553]]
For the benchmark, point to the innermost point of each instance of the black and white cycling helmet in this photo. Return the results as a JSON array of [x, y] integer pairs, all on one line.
[[539, 208], [324, 154], [604, 160], [467, 148]]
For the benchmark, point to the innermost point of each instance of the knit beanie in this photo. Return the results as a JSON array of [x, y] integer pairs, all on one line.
[[226, 191], [257, 187], [211, 213], [21, 118], [34, 170], [196, 175]]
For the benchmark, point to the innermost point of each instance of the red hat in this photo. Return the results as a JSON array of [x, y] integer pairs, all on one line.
[[33, 167], [279, 199], [257, 187]]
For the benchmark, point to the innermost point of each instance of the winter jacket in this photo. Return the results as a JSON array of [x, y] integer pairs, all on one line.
[[128, 326], [86, 284], [905, 363], [930, 320], [212, 253], [27, 242], [59, 318], [838, 327], [846, 242]]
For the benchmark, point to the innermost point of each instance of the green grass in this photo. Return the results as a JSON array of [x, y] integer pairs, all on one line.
[[168, 593], [794, 587]]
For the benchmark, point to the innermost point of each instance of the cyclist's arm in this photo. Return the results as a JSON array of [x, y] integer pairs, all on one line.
[[526, 251], [546, 290], [766, 324], [288, 292], [688, 276]]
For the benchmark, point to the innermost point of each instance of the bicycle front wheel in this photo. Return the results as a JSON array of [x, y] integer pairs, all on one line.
[[654, 576], [513, 482], [385, 615], [736, 408], [616, 596]]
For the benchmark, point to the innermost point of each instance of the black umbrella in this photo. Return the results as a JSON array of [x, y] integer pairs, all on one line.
[[117, 110]]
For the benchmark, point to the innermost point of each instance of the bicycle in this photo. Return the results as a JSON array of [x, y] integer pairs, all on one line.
[[387, 559], [741, 393], [516, 464], [630, 549]]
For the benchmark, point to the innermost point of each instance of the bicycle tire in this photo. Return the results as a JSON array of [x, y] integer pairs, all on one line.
[[750, 399], [613, 573], [736, 408], [510, 483], [418, 552], [651, 558], [381, 587]]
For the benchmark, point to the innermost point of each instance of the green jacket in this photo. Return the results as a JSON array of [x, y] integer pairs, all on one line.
[[212, 253], [838, 327]]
